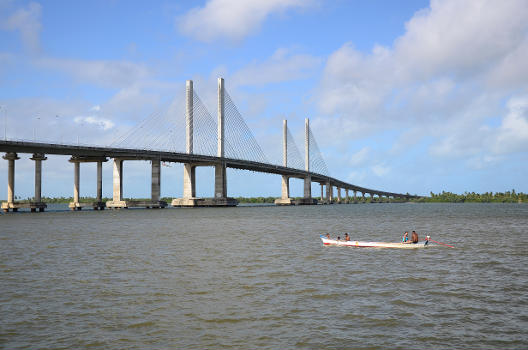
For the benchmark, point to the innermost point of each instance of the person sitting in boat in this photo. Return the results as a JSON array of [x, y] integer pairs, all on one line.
[[414, 237], [347, 237], [328, 235], [405, 238], [338, 238]]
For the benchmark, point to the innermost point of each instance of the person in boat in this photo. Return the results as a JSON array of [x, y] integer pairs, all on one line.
[[338, 238], [405, 238], [414, 237], [328, 236], [347, 237]]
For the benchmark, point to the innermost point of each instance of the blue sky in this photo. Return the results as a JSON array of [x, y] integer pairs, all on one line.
[[411, 96]]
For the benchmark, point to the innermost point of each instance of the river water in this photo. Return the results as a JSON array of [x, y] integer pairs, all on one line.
[[259, 277]]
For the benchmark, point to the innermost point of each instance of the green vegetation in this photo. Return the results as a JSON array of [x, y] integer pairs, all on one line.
[[466, 197], [444, 197]]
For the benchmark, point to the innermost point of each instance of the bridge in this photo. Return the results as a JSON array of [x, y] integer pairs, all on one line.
[[154, 139]]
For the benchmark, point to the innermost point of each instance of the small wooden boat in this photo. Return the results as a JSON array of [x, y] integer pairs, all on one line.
[[363, 244]]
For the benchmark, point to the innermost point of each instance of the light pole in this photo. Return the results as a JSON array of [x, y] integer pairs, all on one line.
[[5, 121]]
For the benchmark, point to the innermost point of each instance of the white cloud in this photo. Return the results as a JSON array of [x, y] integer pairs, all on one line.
[[380, 170], [232, 19], [27, 21], [98, 72], [96, 108], [449, 73], [102, 123], [281, 66], [513, 132], [360, 157]]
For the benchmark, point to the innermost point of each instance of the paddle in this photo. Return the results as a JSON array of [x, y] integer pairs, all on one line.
[[441, 243]]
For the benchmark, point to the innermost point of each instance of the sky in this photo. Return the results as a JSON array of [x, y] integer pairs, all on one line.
[[408, 96]]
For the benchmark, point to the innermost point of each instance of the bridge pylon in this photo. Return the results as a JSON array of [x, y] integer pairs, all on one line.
[[285, 188], [220, 198], [307, 199]]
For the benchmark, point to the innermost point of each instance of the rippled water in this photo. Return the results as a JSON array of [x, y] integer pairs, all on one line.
[[259, 277]]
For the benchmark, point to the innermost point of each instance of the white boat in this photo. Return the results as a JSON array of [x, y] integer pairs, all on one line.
[[363, 244]]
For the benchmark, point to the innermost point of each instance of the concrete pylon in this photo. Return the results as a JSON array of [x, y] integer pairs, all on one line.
[[347, 198], [220, 194], [10, 204], [37, 202], [99, 196], [307, 199], [355, 196], [338, 195], [285, 183], [189, 170], [117, 194], [76, 186], [328, 193], [77, 204], [155, 191], [221, 118]]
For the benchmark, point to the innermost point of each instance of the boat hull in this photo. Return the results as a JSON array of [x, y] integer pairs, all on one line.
[[363, 244]]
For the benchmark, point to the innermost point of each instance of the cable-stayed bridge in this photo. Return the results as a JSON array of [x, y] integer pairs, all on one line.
[[222, 142]]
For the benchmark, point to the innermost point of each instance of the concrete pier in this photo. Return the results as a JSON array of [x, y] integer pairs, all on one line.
[[338, 195], [10, 204], [220, 194], [347, 198], [77, 204], [36, 203], [307, 199], [328, 194], [285, 185], [189, 170], [117, 201]]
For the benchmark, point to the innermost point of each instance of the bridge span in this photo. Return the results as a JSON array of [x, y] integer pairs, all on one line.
[[82, 154]]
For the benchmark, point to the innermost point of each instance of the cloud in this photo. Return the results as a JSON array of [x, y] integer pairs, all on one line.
[[26, 21], [360, 157], [98, 72], [281, 66], [441, 81], [380, 170], [232, 19], [512, 135], [103, 123]]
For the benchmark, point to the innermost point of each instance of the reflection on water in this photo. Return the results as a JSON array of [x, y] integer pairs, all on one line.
[[253, 277]]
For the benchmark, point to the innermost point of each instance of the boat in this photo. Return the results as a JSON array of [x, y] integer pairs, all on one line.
[[363, 244]]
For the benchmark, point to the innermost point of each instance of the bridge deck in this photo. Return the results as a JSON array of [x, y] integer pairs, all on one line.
[[199, 160]]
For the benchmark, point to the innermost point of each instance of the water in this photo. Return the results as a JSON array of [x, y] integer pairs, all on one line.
[[259, 277]]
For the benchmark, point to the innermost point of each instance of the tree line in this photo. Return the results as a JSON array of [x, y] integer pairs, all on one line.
[[446, 197], [472, 197]]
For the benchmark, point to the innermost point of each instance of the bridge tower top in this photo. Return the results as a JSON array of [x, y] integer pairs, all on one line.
[[189, 117], [285, 142], [307, 144], [221, 117]]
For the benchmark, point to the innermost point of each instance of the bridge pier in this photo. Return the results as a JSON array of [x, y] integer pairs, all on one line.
[[285, 188], [307, 199], [328, 194], [338, 194], [347, 198], [36, 203], [77, 204], [117, 201], [37, 200], [285, 192], [10, 204], [220, 198]]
